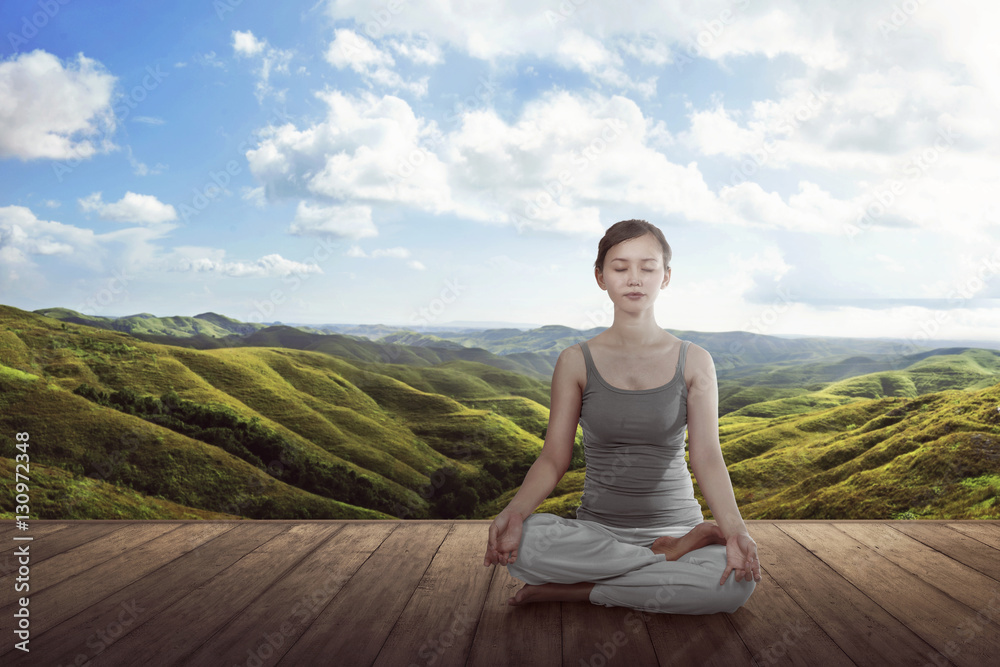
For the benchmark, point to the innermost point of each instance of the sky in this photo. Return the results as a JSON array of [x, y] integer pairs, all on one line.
[[819, 169]]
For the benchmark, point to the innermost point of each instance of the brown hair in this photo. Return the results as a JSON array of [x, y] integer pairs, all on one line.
[[630, 229]]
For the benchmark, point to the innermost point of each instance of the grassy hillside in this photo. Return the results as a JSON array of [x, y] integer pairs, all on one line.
[[282, 422], [210, 325], [936, 456], [328, 415], [773, 392]]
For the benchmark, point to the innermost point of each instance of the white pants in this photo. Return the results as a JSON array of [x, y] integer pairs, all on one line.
[[624, 569]]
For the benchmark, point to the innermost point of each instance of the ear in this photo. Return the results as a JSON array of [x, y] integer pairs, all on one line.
[[599, 276], [666, 278]]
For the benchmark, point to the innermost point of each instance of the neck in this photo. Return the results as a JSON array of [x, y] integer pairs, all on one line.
[[633, 332]]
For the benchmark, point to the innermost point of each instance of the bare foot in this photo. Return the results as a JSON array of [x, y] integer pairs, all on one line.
[[552, 593], [703, 534]]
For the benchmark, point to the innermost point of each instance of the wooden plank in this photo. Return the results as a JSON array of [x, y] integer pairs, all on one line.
[[74, 560], [68, 616], [515, 636], [978, 592], [957, 546], [901, 581], [36, 527], [987, 532], [8, 561], [928, 612], [831, 619], [597, 635], [277, 618], [439, 621], [353, 627], [90, 632], [696, 639], [182, 627], [51, 542], [771, 627]]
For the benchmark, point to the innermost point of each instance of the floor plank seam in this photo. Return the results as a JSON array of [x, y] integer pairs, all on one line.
[[416, 585], [259, 595]]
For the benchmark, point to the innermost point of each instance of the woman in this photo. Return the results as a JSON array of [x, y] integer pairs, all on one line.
[[639, 539]]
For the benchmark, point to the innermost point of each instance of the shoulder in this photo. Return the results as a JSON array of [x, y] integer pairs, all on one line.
[[571, 365], [698, 365]]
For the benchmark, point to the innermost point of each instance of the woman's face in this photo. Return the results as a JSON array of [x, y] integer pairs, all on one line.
[[633, 272]]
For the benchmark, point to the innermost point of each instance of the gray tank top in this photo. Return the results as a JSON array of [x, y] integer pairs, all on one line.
[[633, 441]]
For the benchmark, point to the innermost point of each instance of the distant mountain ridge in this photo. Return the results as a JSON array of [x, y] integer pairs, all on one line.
[[439, 431], [729, 349]]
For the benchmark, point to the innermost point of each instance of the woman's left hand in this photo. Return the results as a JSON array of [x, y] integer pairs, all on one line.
[[741, 557]]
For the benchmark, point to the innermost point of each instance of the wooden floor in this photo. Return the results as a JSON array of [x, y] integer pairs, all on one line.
[[403, 593]]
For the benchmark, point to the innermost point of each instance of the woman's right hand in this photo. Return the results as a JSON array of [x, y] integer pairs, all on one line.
[[505, 537]]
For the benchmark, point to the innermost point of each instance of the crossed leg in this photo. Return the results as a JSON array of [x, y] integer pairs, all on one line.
[[672, 548]]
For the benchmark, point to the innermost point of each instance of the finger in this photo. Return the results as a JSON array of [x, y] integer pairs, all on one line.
[[725, 575], [492, 541]]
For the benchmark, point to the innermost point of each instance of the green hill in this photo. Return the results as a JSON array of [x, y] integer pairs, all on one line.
[[207, 324], [334, 420], [770, 393], [936, 456], [286, 423]]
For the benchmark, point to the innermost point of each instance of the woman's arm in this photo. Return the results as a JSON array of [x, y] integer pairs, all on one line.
[[557, 452], [704, 450]]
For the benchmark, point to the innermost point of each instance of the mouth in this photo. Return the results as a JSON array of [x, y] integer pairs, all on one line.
[[635, 294]]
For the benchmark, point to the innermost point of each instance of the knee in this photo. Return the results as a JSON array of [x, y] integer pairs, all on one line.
[[538, 533], [738, 592]]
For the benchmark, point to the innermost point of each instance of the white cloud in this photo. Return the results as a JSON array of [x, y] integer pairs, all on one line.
[[859, 104], [592, 57], [148, 120], [714, 132], [350, 50], [554, 167], [129, 251], [397, 252], [23, 234], [647, 31], [210, 59], [390, 252], [141, 168], [255, 196], [209, 260], [811, 210], [246, 45], [418, 48], [364, 151], [142, 209], [35, 119], [345, 221]]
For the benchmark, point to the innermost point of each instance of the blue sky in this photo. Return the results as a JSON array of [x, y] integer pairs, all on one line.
[[825, 172]]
